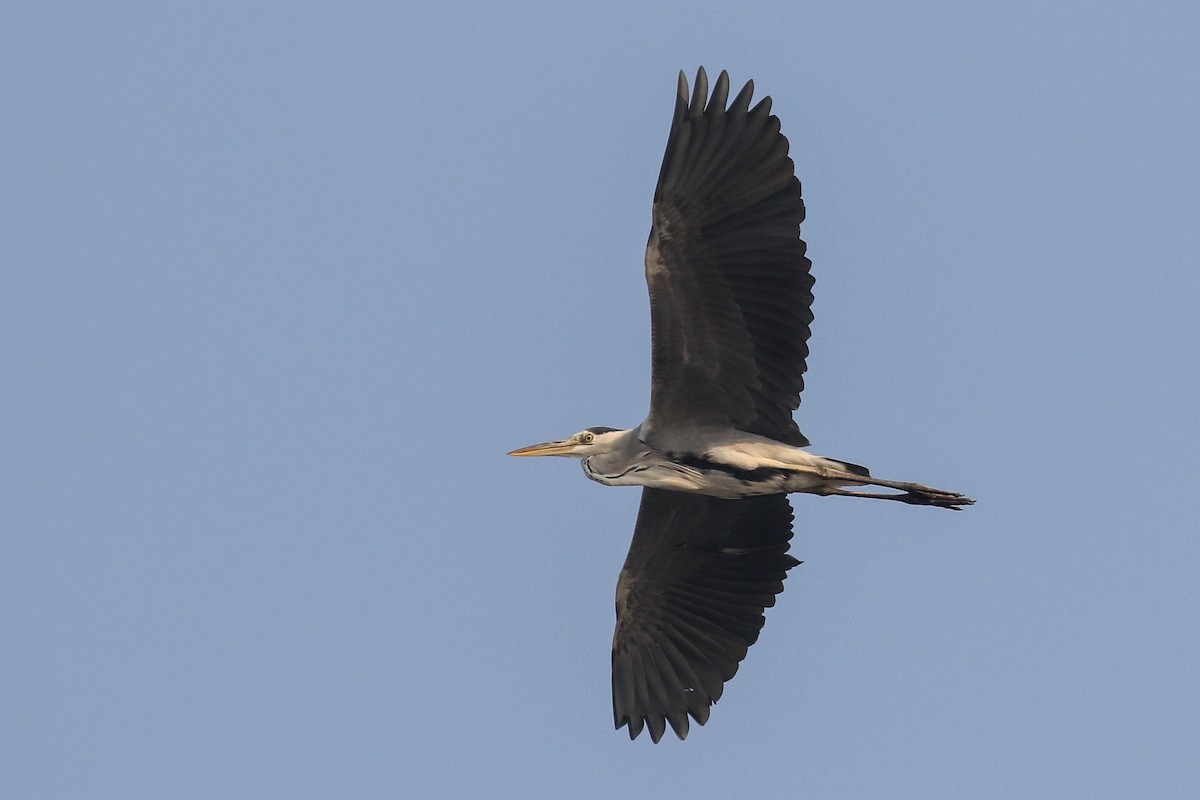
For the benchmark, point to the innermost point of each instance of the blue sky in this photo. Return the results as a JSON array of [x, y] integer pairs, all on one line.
[[282, 284]]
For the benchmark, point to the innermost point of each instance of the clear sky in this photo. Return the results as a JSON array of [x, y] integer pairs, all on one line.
[[281, 284]]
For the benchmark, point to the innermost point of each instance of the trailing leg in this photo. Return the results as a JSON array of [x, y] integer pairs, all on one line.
[[912, 493]]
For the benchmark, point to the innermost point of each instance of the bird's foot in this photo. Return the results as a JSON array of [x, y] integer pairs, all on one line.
[[935, 497]]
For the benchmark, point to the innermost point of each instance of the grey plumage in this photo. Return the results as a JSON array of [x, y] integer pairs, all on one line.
[[730, 296]]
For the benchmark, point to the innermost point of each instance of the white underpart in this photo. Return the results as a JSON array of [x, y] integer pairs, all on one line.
[[755, 455], [646, 470], [800, 471], [805, 471]]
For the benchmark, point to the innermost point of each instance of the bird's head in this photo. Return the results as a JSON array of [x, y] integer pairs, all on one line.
[[588, 442]]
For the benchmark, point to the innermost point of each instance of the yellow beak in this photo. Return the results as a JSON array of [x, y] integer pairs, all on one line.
[[559, 448]]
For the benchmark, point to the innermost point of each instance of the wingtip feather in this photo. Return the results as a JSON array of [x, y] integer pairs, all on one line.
[[699, 94]]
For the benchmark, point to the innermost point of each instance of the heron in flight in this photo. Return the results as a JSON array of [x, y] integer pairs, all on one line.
[[730, 308]]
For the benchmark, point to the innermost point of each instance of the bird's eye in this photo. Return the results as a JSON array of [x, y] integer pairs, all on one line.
[[588, 437]]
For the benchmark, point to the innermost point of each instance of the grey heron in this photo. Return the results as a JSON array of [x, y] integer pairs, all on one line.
[[730, 301]]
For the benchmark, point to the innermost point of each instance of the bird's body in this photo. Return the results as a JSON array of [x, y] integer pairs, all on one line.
[[732, 465], [730, 298]]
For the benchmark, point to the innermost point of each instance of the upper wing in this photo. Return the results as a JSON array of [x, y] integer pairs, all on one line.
[[690, 602], [730, 290]]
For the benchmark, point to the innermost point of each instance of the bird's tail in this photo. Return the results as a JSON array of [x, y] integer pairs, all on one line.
[[853, 469]]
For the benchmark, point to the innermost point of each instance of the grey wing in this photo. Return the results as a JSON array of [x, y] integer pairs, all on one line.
[[730, 289], [690, 601]]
